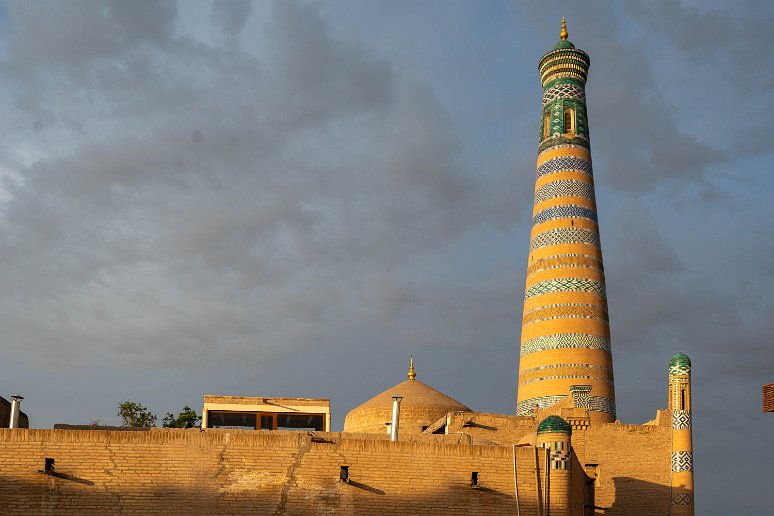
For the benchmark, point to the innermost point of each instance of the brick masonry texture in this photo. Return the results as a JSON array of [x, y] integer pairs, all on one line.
[[768, 397], [241, 472]]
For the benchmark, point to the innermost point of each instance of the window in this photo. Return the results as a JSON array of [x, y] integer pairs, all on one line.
[[235, 420], [300, 422], [265, 421], [546, 126], [569, 120]]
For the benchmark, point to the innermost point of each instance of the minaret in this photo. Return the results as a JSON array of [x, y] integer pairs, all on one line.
[[555, 434], [565, 337], [682, 435]]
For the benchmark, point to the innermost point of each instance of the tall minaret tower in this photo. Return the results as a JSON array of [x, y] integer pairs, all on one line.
[[565, 337]]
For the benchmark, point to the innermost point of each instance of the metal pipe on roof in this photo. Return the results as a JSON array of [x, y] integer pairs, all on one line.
[[395, 417], [15, 410]]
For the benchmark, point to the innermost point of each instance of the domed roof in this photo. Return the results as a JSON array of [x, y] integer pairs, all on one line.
[[421, 407], [563, 43], [554, 424], [679, 364]]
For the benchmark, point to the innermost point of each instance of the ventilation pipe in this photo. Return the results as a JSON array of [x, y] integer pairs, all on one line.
[[395, 417], [15, 410]]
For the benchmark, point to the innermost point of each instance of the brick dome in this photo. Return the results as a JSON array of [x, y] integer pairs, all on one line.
[[421, 407]]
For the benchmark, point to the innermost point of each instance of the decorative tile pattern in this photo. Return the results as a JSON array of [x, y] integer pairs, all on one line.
[[564, 164], [567, 211], [524, 408], [564, 311], [562, 146], [681, 420], [555, 142], [682, 461], [565, 341], [563, 63], [564, 188], [554, 366], [565, 285], [560, 236], [682, 498], [563, 91], [679, 365], [600, 404], [603, 379], [596, 403], [580, 395], [559, 455], [565, 260]]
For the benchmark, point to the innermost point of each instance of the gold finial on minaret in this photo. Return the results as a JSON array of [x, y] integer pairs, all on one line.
[[411, 374], [564, 33]]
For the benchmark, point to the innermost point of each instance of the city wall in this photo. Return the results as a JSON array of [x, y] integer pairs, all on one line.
[[240, 472], [165, 471]]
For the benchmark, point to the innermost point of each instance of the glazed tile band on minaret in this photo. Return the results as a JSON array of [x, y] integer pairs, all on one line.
[[565, 336]]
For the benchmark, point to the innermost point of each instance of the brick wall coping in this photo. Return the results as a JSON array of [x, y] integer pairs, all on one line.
[[261, 400]]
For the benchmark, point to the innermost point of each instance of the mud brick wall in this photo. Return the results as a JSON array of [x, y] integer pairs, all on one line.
[[240, 472]]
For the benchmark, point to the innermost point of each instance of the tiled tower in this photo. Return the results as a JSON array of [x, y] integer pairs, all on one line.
[[554, 433], [682, 435], [565, 337]]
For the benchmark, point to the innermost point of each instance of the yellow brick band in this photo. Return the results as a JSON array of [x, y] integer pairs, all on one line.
[[565, 311], [564, 297], [560, 222], [565, 260], [565, 175], [568, 377], [566, 355], [557, 274], [574, 372], [563, 150]]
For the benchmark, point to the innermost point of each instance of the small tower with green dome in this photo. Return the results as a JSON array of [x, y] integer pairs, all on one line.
[[554, 434], [682, 435]]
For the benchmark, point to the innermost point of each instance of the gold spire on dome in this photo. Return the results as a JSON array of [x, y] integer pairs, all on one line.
[[411, 374], [564, 33]]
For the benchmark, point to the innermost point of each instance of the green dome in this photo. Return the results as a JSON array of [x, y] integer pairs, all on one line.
[[563, 43], [679, 364], [554, 424]]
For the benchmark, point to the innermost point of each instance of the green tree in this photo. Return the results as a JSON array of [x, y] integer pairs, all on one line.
[[188, 418], [135, 415]]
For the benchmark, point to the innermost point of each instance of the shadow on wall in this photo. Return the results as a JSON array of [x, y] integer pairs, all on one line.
[[58, 495], [635, 497]]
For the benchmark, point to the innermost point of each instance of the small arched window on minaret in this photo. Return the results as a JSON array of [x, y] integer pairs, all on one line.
[[546, 126], [569, 120]]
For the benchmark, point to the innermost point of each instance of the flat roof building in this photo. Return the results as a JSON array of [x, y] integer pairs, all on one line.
[[261, 413]]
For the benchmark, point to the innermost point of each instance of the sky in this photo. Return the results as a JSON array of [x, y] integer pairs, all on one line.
[[289, 198]]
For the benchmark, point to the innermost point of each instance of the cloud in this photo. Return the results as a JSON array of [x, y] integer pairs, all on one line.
[[216, 210], [230, 16]]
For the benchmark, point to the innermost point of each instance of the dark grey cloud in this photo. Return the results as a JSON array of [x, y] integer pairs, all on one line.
[[230, 16], [216, 210]]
